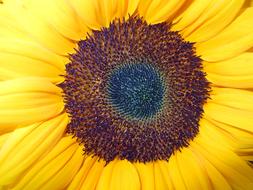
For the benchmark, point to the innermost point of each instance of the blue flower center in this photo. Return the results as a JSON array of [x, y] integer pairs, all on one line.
[[136, 90]]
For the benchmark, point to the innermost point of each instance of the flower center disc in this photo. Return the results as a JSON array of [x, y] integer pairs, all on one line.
[[134, 91]]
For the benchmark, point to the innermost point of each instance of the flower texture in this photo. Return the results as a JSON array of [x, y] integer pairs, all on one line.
[[126, 94]]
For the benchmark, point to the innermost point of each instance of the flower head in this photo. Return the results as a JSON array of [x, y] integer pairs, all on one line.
[[127, 94]]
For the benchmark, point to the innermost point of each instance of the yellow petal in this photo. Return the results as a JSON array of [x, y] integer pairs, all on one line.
[[65, 175], [236, 72], [240, 65], [93, 176], [175, 173], [160, 11], [235, 39], [212, 8], [50, 169], [100, 13], [60, 15], [234, 98], [240, 139], [124, 176], [48, 166], [23, 66], [132, 6], [15, 138], [216, 23], [15, 158], [231, 81], [40, 30], [86, 10], [245, 153], [143, 6], [163, 179], [187, 17], [236, 171], [191, 170], [8, 25], [216, 178], [31, 49], [146, 173], [82, 174], [216, 133], [26, 101], [107, 9], [105, 178], [124, 8], [3, 139], [231, 116], [28, 84]]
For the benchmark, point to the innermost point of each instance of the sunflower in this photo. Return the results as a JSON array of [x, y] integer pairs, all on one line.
[[126, 94]]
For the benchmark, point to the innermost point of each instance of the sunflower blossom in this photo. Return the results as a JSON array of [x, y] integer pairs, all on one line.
[[126, 94]]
